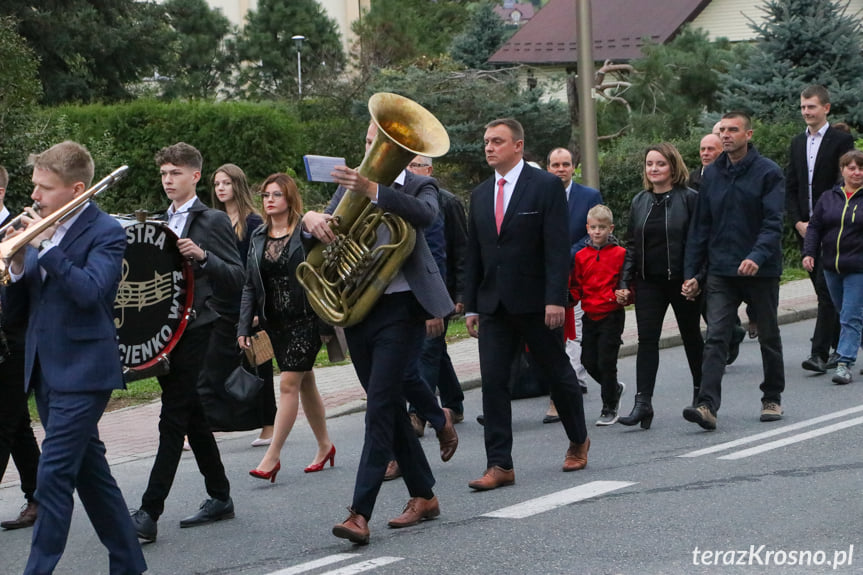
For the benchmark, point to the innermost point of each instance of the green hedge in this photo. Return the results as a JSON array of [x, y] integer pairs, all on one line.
[[261, 139]]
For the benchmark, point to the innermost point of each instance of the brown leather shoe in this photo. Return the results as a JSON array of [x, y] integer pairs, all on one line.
[[355, 528], [576, 456], [493, 478], [419, 425], [448, 437], [26, 518], [393, 471], [416, 510]]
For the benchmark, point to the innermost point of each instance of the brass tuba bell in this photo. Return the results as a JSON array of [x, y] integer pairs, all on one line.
[[344, 279]]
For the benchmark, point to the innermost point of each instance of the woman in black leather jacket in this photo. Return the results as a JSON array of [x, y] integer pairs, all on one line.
[[656, 241], [273, 290]]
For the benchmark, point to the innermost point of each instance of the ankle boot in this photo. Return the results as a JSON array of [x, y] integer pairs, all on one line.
[[696, 389], [642, 412]]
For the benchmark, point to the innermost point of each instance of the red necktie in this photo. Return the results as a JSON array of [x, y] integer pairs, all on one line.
[[498, 205]]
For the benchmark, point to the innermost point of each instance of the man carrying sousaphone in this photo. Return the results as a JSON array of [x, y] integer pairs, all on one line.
[[385, 348]]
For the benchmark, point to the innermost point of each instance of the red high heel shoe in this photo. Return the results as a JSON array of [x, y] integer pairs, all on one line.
[[331, 457], [271, 474]]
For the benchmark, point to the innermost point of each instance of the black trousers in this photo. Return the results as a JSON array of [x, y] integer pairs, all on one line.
[[723, 296], [826, 334], [16, 434], [182, 415], [501, 334], [651, 303], [385, 350], [600, 346]]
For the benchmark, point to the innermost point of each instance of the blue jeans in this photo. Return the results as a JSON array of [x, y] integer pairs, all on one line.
[[846, 291]]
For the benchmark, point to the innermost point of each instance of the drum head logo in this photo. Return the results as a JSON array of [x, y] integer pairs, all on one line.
[[150, 310]]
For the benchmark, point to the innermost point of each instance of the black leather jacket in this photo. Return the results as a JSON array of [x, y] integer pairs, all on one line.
[[254, 296], [679, 206]]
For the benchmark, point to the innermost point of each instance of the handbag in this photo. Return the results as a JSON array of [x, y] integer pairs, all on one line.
[[243, 385], [261, 349]]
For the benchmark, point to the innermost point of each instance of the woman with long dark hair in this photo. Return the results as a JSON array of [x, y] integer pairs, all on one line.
[[656, 241], [232, 195], [272, 288]]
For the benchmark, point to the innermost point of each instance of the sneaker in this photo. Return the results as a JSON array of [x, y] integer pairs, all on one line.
[[700, 415], [842, 375], [770, 411], [608, 416]]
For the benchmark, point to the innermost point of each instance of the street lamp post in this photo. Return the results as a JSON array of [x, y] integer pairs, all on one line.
[[298, 41]]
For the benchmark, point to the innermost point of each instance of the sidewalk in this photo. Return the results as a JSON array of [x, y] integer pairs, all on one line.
[[132, 433]]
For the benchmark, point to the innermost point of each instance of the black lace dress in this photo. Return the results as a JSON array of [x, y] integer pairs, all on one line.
[[291, 323]]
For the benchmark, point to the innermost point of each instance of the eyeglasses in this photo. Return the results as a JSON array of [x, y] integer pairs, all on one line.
[[417, 166], [274, 195]]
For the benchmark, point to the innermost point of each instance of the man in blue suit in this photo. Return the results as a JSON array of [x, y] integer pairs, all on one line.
[[66, 279], [579, 200]]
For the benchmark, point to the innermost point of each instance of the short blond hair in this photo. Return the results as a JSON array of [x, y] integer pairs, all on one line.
[[601, 213], [69, 160]]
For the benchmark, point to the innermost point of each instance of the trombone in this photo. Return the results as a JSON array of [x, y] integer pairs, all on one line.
[[17, 219], [10, 247]]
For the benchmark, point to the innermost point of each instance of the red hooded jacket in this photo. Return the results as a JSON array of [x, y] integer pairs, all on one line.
[[594, 278]]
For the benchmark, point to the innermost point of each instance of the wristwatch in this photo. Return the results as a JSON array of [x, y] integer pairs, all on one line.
[[44, 244]]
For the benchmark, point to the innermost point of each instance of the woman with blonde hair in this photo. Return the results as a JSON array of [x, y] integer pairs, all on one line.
[[272, 288]]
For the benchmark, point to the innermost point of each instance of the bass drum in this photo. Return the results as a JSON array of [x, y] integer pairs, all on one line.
[[154, 300]]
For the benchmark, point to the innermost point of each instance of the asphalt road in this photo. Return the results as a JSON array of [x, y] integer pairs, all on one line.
[[650, 502]]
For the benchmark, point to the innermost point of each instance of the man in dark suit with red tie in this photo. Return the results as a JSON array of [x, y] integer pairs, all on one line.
[[516, 289], [813, 168]]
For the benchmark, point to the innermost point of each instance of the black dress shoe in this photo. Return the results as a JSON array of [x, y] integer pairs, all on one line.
[[145, 526], [211, 510], [480, 419], [814, 363]]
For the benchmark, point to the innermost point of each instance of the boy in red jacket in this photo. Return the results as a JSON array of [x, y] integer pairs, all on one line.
[[593, 282]]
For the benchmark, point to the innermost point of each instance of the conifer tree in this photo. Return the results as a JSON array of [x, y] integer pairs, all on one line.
[[800, 42]]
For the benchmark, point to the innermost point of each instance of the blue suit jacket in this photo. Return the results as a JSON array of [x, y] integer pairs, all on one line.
[[581, 199], [71, 317]]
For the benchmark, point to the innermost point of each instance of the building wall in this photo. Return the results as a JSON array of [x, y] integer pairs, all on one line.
[[344, 12], [730, 18]]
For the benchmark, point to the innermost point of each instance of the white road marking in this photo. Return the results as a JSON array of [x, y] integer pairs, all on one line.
[[793, 439], [772, 432], [559, 499], [311, 565], [367, 565]]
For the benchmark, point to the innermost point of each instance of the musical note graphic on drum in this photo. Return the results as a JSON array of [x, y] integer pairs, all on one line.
[[154, 298], [141, 294]]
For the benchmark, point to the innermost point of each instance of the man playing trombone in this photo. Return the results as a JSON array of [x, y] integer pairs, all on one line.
[[66, 279]]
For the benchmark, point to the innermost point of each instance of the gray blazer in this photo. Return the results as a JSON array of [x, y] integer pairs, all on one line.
[[417, 203]]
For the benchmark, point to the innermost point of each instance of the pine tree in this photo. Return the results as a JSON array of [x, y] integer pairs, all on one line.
[[800, 42], [268, 55], [484, 33]]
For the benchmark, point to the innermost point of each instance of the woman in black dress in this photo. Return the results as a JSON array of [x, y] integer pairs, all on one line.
[[272, 287], [232, 195]]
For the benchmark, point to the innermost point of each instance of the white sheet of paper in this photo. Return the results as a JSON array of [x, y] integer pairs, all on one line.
[[318, 168]]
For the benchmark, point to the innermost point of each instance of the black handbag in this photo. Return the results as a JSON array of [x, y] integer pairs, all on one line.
[[244, 386]]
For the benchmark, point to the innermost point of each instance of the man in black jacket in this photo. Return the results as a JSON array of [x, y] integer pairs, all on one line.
[[813, 168], [16, 434], [204, 352]]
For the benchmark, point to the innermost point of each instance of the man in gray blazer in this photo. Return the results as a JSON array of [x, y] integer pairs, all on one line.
[[385, 349]]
